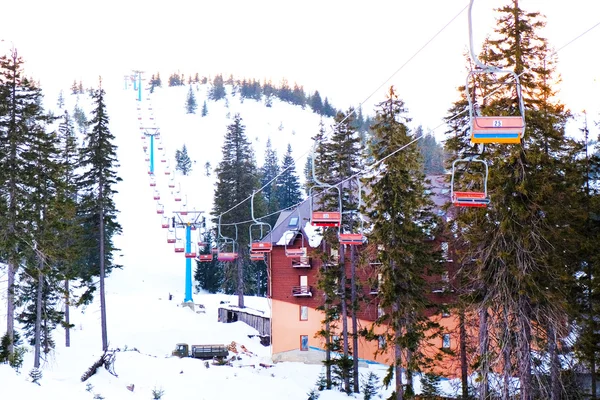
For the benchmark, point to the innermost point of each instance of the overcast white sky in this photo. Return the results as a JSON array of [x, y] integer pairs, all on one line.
[[345, 49]]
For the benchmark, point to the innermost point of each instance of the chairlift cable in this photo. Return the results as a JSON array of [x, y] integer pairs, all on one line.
[[370, 167]]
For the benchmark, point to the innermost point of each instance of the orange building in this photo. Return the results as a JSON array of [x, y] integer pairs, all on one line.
[[294, 271]]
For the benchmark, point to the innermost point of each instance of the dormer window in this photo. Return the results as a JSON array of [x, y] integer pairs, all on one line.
[[293, 222]]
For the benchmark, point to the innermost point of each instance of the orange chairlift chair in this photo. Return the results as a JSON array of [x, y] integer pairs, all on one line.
[[354, 239], [469, 198], [204, 245], [331, 218], [227, 246], [298, 255], [497, 128], [258, 246]]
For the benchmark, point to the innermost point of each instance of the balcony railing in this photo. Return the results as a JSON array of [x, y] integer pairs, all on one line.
[[301, 291], [302, 262]]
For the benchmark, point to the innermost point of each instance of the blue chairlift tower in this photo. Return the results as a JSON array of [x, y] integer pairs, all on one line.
[[151, 132], [188, 220]]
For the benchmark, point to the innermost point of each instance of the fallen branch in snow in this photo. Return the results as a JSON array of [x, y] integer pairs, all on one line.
[[107, 359]]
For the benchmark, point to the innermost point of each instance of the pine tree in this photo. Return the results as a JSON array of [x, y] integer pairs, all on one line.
[[21, 121], [269, 172], [61, 100], [208, 275], [204, 109], [66, 205], [97, 212], [74, 87], [237, 178], [524, 242], [402, 221], [217, 89], [288, 188], [432, 153], [39, 291], [315, 103], [207, 167], [184, 163], [190, 103]]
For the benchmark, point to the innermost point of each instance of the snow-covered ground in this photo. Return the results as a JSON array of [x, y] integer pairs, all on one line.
[[142, 322]]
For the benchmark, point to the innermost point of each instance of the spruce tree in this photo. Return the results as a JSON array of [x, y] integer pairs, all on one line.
[[237, 179], [97, 211], [184, 163], [402, 221], [69, 229], [190, 102], [204, 109], [288, 188], [269, 173], [208, 275], [217, 89], [523, 244], [21, 123]]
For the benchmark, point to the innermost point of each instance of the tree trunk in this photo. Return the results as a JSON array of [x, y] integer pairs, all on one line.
[[327, 331], [38, 316], [524, 343], [398, 371], [102, 273], [10, 307], [464, 367], [67, 316], [240, 279], [355, 374], [343, 303], [593, 373], [506, 362], [554, 364], [483, 354]]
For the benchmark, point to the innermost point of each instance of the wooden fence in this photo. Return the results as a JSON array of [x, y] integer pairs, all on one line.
[[261, 324]]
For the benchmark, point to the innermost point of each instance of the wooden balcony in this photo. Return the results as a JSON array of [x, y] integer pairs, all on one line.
[[301, 291]]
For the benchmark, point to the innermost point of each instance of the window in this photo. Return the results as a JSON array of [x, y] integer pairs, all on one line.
[[303, 313], [444, 248], [446, 341], [381, 342], [445, 311], [293, 222], [304, 342], [380, 311], [445, 276]]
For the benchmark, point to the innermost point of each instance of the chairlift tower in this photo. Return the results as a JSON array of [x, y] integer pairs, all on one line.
[[151, 132], [137, 85], [190, 220]]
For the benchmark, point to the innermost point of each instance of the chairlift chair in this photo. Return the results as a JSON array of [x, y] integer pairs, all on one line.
[[152, 181], [354, 239], [226, 243], [499, 128], [205, 257], [160, 208], [324, 218], [179, 245], [193, 251], [469, 198], [164, 222], [257, 256], [259, 245], [171, 238], [156, 195]]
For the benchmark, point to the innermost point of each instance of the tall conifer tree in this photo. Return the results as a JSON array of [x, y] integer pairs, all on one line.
[[402, 221], [237, 179], [98, 214], [523, 243]]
